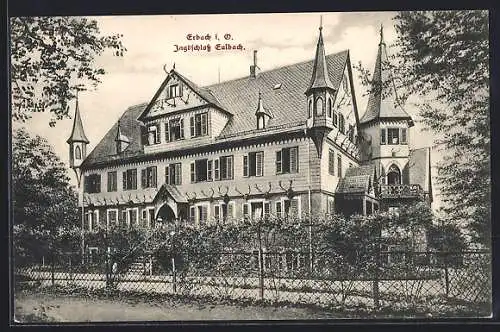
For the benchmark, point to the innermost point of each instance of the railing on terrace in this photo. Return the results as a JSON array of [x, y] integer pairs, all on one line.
[[401, 191]]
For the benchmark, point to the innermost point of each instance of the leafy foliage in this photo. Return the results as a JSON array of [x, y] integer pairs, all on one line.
[[45, 210], [51, 58], [441, 59]]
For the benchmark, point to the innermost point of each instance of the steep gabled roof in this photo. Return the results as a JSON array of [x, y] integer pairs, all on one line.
[[287, 104], [356, 180], [77, 133], [383, 102], [320, 77]]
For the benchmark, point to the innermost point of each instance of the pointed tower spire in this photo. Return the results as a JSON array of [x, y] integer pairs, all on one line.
[[77, 133], [383, 102], [260, 107], [320, 77], [121, 140]]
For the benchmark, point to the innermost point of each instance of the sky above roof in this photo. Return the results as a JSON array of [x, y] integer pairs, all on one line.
[[280, 39]]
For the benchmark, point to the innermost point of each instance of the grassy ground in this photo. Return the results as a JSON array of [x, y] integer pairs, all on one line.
[[39, 308]]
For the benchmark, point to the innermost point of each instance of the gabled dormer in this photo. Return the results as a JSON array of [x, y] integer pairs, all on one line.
[[262, 114], [180, 114]]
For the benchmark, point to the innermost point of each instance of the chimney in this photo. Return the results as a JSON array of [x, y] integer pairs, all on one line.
[[254, 67]]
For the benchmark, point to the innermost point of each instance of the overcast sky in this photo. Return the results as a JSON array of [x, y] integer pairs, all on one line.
[[280, 39]]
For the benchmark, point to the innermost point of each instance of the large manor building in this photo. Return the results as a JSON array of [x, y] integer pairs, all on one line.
[[284, 142]]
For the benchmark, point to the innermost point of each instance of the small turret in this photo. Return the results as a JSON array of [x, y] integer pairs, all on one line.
[[122, 141], [320, 94], [77, 141], [263, 115]]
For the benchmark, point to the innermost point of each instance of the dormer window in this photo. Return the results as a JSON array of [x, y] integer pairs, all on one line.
[[261, 122], [393, 136]]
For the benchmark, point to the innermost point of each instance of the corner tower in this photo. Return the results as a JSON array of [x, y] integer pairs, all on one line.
[[385, 124], [319, 91]]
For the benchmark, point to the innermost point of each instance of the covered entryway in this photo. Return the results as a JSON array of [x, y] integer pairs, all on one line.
[[165, 214], [170, 204]]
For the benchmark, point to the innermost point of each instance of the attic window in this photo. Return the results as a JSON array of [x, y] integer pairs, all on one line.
[[277, 86], [174, 91]]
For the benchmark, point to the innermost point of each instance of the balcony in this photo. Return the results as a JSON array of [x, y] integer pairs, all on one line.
[[401, 191]]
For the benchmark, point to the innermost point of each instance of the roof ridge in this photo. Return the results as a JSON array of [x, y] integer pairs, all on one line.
[[273, 69]]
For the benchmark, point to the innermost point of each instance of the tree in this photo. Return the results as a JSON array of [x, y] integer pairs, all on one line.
[[45, 206], [441, 58], [52, 57]]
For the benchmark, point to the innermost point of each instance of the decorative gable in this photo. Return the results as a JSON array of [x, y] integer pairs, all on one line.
[[174, 95]]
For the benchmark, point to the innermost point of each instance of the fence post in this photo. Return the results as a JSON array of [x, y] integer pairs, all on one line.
[[375, 284], [52, 269], [70, 272], [261, 263], [446, 276], [174, 275]]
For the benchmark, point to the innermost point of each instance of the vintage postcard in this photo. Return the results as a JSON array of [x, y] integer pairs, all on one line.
[[250, 167]]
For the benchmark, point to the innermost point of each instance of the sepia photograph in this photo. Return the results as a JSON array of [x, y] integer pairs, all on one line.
[[250, 167]]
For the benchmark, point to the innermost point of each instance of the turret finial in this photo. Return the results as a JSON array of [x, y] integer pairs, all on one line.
[[381, 33], [320, 22]]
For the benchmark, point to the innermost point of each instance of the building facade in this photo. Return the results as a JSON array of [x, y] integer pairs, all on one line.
[[285, 142]]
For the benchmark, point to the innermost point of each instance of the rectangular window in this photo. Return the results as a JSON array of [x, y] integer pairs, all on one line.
[[200, 170], [174, 90], [278, 208], [173, 174], [154, 134], [226, 167], [351, 133], [112, 181], [192, 214], [112, 217], [404, 139], [253, 164], [287, 160], [132, 215], [267, 209], [331, 162], [393, 136], [148, 177], [230, 210], [217, 212], [175, 130], [199, 125], [210, 170], [339, 166], [151, 217], [383, 136], [203, 213], [92, 183], [246, 211], [130, 179]]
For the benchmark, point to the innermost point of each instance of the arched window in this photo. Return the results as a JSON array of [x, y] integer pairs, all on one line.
[[309, 110], [319, 106], [330, 115], [341, 123], [393, 175], [78, 152]]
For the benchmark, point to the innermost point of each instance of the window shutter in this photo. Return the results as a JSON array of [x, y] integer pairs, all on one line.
[[193, 173], [216, 212], [153, 177], [192, 214], [229, 167], [245, 165], [278, 162], [124, 180], [331, 162], [134, 179], [216, 169], [204, 124], [181, 87], [158, 133], [144, 135], [204, 213], [245, 210], [167, 92], [294, 164], [96, 219], [259, 163], [144, 183], [167, 174], [191, 126], [98, 183], [230, 210], [178, 174], [382, 136], [209, 170], [339, 166], [181, 125], [403, 136], [294, 207], [267, 209], [167, 131]]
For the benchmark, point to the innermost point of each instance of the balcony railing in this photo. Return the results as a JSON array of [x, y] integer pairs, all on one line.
[[401, 191]]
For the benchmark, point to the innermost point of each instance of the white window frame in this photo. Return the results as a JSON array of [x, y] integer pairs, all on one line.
[[197, 214], [148, 215], [128, 216], [255, 200], [280, 214], [231, 216], [107, 216]]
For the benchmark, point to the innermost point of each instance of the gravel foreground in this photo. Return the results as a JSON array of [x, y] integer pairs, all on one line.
[[46, 308]]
